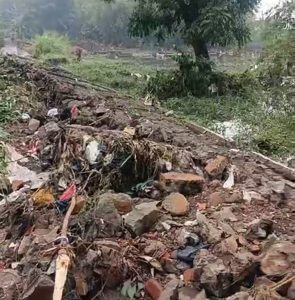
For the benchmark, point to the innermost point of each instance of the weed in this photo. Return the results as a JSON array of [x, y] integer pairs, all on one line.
[[51, 45]]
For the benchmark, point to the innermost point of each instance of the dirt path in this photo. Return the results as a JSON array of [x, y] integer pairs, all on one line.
[[235, 203]]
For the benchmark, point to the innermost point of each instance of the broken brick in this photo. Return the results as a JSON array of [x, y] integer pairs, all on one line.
[[216, 167], [185, 183], [153, 288]]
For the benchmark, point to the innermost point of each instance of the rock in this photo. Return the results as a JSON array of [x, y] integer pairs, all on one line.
[[190, 293], [185, 183], [229, 245], [154, 247], [34, 125], [9, 280], [106, 211], [142, 217], [25, 245], [170, 291], [17, 184], [42, 288], [169, 265], [122, 202], [176, 204], [153, 288], [240, 296], [182, 266], [189, 276], [216, 167], [260, 229], [225, 214], [278, 259], [51, 128], [212, 234], [216, 199], [80, 203]]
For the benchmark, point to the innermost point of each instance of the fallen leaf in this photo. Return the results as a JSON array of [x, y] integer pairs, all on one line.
[[152, 262]]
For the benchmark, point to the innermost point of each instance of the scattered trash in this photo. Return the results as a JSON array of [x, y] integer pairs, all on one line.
[[230, 182], [53, 112], [43, 197]]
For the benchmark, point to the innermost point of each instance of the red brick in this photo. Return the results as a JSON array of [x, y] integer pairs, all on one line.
[[185, 183], [216, 166], [153, 288]]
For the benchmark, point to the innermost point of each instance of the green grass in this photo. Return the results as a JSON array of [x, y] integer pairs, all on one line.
[[270, 133], [51, 45], [114, 73]]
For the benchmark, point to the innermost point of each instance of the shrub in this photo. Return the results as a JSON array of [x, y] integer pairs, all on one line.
[[51, 44]]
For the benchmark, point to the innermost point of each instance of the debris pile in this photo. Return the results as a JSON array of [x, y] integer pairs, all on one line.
[[105, 199]]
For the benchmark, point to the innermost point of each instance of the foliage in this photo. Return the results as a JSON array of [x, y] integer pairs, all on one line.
[[199, 22], [51, 44]]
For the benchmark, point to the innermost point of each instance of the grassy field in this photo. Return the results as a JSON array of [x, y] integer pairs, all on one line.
[[257, 124]]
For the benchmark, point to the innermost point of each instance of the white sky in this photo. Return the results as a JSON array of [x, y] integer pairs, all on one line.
[[267, 4]]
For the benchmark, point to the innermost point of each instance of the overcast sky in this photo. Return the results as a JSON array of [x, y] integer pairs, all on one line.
[[267, 4]]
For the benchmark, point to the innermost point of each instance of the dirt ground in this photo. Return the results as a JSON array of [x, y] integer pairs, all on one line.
[[123, 201]]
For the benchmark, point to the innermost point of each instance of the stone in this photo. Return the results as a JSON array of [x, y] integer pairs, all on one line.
[[216, 199], [176, 204], [9, 280], [170, 291], [106, 211], [153, 288], [189, 275], [185, 183], [225, 214], [278, 259], [25, 245], [259, 229], [190, 293], [213, 235], [80, 203], [154, 247], [122, 202], [51, 127], [142, 217], [42, 288], [17, 184], [34, 125], [216, 167]]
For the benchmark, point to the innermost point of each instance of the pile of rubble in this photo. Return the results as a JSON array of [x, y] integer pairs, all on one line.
[[108, 199]]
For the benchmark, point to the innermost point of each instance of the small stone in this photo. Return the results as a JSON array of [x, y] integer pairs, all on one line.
[[170, 291], [24, 245], [9, 280], [176, 204], [42, 288], [278, 259], [51, 127], [190, 293], [154, 247], [107, 216], [17, 184], [142, 217], [216, 199], [185, 183], [34, 125], [80, 203], [189, 275], [169, 265], [153, 288], [182, 266], [123, 203], [216, 167]]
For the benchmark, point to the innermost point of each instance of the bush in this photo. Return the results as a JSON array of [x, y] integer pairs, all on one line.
[[51, 44]]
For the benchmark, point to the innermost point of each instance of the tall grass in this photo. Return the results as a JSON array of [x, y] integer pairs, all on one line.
[[51, 44]]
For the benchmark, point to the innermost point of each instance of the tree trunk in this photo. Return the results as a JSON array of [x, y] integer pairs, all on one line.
[[200, 49]]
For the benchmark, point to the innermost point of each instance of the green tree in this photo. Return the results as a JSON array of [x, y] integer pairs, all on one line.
[[200, 22]]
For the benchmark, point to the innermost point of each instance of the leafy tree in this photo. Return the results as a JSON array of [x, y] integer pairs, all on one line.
[[200, 22]]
